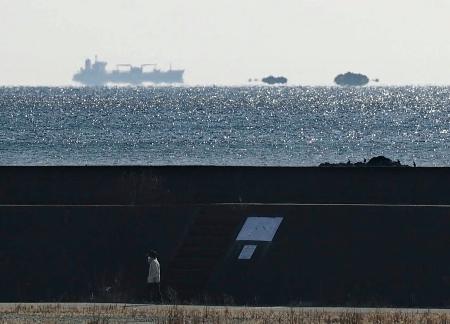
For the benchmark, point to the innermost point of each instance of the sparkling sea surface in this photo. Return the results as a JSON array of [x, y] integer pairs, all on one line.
[[279, 126]]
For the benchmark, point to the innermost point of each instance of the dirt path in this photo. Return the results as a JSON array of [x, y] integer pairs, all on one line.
[[142, 313]]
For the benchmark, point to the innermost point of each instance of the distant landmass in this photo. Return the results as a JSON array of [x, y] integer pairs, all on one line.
[[274, 80], [351, 79]]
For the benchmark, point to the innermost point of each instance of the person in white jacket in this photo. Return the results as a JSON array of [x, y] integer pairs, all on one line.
[[154, 277]]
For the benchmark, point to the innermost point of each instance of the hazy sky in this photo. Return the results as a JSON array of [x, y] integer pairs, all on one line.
[[43, 42]]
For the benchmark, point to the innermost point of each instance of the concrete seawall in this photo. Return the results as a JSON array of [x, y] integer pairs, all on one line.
[[348, 236]]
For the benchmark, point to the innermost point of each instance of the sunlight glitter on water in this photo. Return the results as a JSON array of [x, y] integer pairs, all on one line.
[[223, 126]]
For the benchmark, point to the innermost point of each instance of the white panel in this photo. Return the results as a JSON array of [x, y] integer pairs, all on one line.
[[247, 252], [259, 229]]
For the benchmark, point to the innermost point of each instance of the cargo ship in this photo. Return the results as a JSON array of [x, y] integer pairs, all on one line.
[[95, 74]]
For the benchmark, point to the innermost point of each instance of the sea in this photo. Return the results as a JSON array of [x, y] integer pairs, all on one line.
[[225, 126]]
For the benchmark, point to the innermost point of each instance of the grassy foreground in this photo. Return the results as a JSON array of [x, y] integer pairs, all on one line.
[[125, 313]]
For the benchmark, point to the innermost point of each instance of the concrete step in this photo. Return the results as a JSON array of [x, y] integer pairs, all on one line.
[[212, 241], [199, 251], [186, 262], [203, 247]]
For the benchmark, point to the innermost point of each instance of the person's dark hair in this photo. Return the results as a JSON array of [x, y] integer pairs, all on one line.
[[152, 254]]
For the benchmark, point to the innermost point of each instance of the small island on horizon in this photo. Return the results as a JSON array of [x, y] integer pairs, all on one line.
[[274, 80], [351, 79]]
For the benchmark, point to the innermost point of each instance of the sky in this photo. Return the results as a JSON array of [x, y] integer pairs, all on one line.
[[226, 42]]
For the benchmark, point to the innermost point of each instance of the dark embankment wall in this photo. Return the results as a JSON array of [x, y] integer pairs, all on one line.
[[349, 236]]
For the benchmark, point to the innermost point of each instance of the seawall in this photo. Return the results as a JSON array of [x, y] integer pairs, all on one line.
[[347, 236]]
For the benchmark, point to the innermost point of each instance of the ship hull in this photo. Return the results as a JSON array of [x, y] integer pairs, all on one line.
[[119, 77]]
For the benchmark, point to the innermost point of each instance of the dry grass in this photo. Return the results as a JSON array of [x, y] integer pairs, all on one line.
[[115, 313]]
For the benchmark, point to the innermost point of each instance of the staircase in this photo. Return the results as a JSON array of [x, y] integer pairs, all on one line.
[[205, 244]]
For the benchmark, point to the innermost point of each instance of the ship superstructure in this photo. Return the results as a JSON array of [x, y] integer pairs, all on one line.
[[95, 74]]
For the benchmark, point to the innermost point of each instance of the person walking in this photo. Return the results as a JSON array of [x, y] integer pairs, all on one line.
[[154, 278]]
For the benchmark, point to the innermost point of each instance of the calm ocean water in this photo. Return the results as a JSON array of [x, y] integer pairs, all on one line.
[[223, 126]]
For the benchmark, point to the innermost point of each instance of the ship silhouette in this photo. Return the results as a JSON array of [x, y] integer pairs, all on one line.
[[95, 74]]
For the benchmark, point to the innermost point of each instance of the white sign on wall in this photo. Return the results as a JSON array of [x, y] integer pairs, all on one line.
[[259, 229], [247, 252]]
